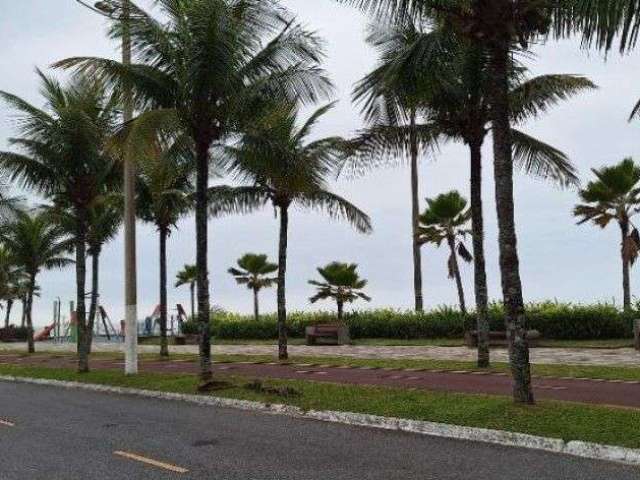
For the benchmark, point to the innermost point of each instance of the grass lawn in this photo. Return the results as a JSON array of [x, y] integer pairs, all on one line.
[[614, 426]]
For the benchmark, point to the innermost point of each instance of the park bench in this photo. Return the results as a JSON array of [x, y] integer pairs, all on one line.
[[499, 339], [334, 333]]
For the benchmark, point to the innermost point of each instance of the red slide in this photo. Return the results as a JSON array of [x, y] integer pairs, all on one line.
[[44, 334]]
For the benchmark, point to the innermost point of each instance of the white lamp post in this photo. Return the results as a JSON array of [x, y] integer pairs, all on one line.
[[130, 264]]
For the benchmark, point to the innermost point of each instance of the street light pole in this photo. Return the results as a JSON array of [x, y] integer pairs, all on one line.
[[130, 263]]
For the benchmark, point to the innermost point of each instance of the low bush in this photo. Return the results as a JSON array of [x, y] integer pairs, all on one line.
[[13, 334], [554, 320]]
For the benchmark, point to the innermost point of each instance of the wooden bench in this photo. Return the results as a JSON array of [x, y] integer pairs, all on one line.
[[330, 333], [499, 339]]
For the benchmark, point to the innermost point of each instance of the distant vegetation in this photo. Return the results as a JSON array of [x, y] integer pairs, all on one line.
[[554, 320]]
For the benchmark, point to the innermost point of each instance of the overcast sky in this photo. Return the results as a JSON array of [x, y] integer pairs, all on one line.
[[559, 260]]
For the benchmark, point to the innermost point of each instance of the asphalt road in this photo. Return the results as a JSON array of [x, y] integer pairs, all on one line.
[[65, 434]]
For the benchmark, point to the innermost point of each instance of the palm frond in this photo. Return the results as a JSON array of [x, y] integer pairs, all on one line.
[[635, 113], [387, 146], [225, 200], [541, 160], [537, 95], [336, 207]]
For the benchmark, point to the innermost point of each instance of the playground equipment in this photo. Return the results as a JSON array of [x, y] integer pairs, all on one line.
[[108, 330], [44, 334], [150, 327], [67, 331]]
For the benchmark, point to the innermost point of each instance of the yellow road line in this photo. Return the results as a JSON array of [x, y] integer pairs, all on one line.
[[6, 423], [150, 461]]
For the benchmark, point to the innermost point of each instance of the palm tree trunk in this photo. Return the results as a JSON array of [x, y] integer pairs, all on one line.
[[626, 282], [479, 267], [202, 242], [282, 274], [509, 263], [192, 287], [415, 220], [81, 278], [256, 305], [95, 296], [7, 317], [164, 343], [456, 273], [28, 314], [24, 300], [340, 310]]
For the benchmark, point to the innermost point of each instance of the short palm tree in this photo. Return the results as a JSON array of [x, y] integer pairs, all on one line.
[[253, 271], [203, 70], [34, 244], [165, 194], [64, 158], [285, 168], [6, 294], [341, 283], [615, 196], [21, 288], [13, 284], [105, 219], [189, 276], [447, 219]]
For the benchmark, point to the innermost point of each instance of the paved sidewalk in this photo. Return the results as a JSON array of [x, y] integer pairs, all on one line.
[[565, 356], [596, 391]]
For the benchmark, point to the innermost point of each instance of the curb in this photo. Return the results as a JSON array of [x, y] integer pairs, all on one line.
[[592, 451]]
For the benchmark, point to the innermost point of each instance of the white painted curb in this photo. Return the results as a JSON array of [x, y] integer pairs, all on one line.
[[575, 448]]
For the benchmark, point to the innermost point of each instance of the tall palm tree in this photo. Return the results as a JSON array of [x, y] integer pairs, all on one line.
[[615, 196], [503, 27], [447, 219], [454, 105], [189, 276], [342, 283], [285, 168], [34, 244], [64, 158], [202, 69], [253, 271], [393, 99], [165, 194]]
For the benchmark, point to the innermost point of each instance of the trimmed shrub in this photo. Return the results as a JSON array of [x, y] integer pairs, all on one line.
[[554, 320], [14, 334]]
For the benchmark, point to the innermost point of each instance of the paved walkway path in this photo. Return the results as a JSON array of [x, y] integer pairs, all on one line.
[[596, 391], [574, 356]]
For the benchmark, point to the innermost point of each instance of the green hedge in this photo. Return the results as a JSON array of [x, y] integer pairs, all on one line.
[[13, 334], [560, 321]]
